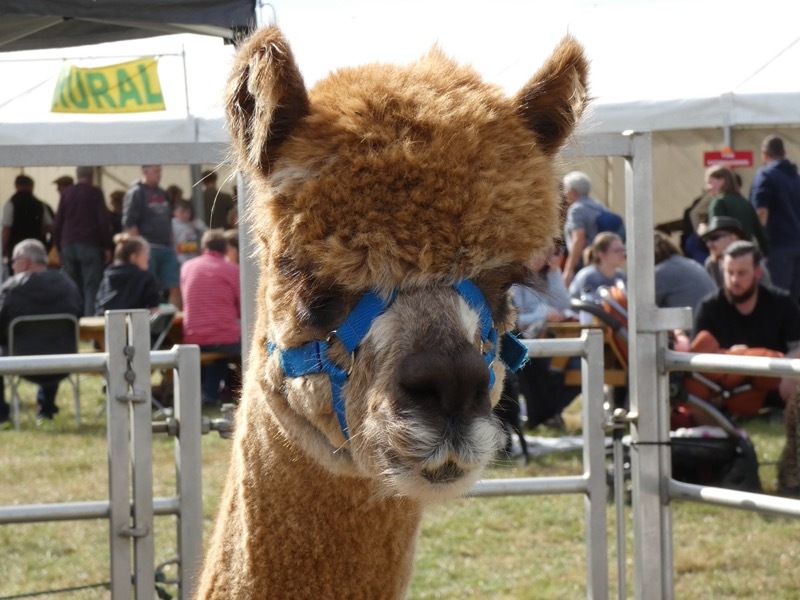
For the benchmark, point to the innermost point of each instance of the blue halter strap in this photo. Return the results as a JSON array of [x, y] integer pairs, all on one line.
[[312, 357]]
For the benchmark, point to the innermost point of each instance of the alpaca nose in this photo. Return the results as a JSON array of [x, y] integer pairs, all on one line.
[[454, 382]]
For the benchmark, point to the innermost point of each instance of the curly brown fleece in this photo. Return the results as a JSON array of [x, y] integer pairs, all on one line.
[[393, 178]]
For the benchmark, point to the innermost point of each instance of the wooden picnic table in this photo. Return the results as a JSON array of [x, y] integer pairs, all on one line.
[[93, 329]]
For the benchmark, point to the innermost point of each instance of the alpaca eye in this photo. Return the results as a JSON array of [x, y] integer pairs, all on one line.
[[321, 311], [495, 286]]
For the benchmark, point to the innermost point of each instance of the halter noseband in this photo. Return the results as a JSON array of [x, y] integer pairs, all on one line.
[[312, 357]]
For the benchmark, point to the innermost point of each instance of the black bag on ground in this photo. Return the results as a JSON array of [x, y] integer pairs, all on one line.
[[727, 462]]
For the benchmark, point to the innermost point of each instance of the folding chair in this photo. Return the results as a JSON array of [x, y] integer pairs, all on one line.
[[160, 325], [32, 335]]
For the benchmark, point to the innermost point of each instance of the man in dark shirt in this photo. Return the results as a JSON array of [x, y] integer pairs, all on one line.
[[747, 313], [82, 234], [35, 290], [775, 194], [147, 212], [24, 216]]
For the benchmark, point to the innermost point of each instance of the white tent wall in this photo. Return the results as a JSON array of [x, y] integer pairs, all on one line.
[[677, 170], [112, 177], [673, 79], [44, 145], [192, 71]]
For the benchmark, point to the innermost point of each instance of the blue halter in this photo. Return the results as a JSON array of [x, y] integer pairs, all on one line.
[[312, 357]]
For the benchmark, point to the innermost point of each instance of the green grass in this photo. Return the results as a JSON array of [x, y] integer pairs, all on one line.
[[520, 547]]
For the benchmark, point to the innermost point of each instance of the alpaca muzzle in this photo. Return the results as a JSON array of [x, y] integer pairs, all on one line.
[[312, 357]]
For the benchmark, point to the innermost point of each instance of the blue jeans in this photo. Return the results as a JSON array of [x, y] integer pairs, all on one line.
[[84, 264], [213, 374], [164, 265], [784, 269]]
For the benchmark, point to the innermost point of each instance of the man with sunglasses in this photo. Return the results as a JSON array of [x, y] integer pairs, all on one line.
[[721, 232]]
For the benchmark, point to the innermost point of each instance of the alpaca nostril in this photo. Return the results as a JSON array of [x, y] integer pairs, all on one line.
[[454, 383]]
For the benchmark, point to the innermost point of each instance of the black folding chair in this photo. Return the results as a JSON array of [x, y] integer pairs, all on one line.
[[160, 325]]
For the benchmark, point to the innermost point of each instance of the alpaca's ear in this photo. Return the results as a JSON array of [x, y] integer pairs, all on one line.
[[552, 101], [265, 98]]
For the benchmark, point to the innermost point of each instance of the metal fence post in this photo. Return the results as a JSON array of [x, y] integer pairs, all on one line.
[[130, 442], [650, 514], [141, 434], [594, 462], [188, 466], [117, 386]]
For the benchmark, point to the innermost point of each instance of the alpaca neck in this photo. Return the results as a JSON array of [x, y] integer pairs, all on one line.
[[289, 528]]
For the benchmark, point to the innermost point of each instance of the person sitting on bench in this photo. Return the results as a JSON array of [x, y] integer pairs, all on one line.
[[212, 309]]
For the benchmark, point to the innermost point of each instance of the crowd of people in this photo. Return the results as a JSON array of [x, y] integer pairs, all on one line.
[[146, 249], [737, 268]]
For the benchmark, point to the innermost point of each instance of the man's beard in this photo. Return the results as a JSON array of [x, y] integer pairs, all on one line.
[[743, 297]]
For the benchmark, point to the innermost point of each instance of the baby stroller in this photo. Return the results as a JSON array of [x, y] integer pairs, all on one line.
[[715, 452], [609, 307]]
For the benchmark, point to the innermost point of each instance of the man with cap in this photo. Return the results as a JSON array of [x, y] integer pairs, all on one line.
[[82, 235], [62, 183], [775, 194], [721, 232]]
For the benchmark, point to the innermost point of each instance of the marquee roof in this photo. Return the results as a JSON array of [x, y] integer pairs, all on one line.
[[34, 24], [656, 65]]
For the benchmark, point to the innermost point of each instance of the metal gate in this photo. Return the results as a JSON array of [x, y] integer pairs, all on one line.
[[130, 507], [127, 364]]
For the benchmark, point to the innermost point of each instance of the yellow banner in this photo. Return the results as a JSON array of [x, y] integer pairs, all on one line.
[[127, 87]]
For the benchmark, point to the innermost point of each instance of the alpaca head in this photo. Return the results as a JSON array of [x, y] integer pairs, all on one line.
[[404, 186]]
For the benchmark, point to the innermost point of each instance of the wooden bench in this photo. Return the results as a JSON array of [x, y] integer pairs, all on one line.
[[207, 358]]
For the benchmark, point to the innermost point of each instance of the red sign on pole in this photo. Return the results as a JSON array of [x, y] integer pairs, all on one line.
[[728, 158]]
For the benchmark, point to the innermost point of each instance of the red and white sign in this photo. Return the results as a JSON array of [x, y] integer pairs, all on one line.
[[728, 158]]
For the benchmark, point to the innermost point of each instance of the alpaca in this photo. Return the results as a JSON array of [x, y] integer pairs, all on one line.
[[394, 207]]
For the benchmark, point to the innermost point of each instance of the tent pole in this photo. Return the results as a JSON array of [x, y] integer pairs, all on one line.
[[727, 109], [248, 266], [185, 80]]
